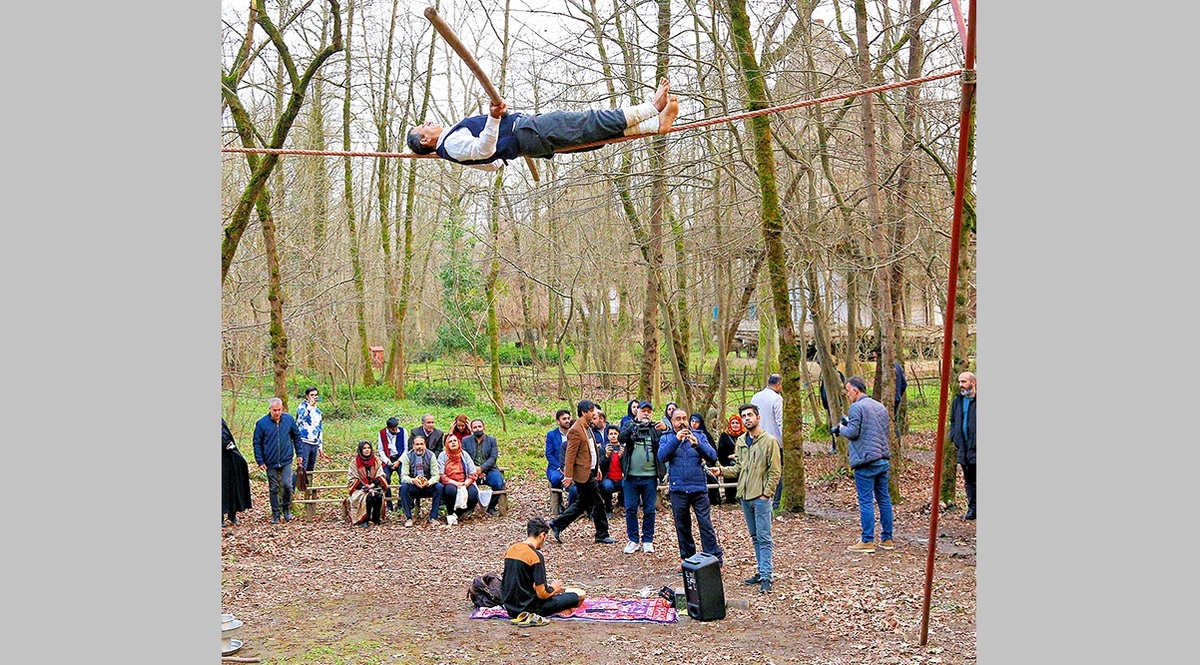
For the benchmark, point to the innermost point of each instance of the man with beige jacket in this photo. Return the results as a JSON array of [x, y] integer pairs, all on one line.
[[757, 465]]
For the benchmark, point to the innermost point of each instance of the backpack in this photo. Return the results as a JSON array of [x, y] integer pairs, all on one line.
[[485, 591]]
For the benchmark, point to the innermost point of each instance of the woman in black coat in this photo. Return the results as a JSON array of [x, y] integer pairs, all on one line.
[[235, 478]]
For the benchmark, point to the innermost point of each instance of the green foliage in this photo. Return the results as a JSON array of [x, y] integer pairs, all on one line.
[[522, 356], [453, 395], [462, 291]]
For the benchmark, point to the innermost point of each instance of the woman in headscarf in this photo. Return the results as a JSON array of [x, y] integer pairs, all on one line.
[[367, 485], [667, 411], [630, 412], [458, 473], [235, 478], [726, 445], [461, 428]]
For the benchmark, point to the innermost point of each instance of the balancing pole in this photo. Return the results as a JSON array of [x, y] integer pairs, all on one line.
[[452, 39], [961, 177]]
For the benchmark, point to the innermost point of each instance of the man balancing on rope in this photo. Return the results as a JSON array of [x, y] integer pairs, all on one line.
[[488, 142]]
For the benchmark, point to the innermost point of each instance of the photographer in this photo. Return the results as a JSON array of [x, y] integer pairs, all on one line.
[[610, 468], [367, 486], [685, 451], [641, 471]]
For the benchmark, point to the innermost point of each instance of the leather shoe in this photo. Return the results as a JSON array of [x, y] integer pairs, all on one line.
[[757, 579], [557, 533], [607, 540]]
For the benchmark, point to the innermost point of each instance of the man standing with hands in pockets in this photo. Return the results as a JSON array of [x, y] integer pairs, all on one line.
[[757, 465]]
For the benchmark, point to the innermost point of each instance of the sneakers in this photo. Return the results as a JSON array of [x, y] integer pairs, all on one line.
[[630, 547], [969, 515], [287, 515], [887, 544], [648, 548], [749, 581], [274, 519], [764, 586], [861, 547], [493, 511], [408, 522], [607, 540], [451, 519]]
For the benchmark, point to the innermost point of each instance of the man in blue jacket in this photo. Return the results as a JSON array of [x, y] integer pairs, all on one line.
[[276, 445], [962, 433], [685, 452], [556, 452], [866, 428]]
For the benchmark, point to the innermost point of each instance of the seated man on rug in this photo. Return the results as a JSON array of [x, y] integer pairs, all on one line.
[[488, 142], [527, 596]]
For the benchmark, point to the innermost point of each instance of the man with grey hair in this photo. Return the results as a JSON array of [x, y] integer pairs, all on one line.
[[276, 445], [866, 428], [962, 433], [433, 436], [770, 407]]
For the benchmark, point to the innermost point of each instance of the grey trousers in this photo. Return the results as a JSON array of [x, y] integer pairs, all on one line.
[[540, 135]]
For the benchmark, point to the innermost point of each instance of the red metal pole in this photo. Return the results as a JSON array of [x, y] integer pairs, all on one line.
[[961, 177]]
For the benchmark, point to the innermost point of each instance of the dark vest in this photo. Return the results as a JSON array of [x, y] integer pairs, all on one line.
[[427, 458], [506, 144]]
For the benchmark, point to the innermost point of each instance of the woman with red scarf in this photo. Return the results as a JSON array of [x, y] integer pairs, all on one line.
[[726, 445], [367, 485], [458, 474]]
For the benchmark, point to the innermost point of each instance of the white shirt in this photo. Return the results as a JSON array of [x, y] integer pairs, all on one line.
[[462, 145], [770, 412]]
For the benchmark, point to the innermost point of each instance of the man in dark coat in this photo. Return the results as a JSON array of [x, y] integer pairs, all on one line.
[[235, 478], [962, 433], [582, 467]]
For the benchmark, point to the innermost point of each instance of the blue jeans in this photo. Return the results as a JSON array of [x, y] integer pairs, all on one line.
[[555, 477], [495, 480], [608, 487], [698, 502], [409, 491], [643, 491], [871, 482], [758, 522], [308, 451], [279, 483]]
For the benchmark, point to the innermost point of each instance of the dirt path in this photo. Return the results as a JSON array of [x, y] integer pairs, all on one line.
[[319, 591]]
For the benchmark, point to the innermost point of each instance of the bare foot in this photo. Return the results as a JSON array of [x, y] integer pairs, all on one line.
[[660, 96], [667, 116]]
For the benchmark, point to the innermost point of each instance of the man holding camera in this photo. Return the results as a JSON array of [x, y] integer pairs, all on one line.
[[866, 428], [685, 451], [642, 471]]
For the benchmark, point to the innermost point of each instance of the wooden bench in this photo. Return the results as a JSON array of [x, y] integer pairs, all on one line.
[[315, 494]]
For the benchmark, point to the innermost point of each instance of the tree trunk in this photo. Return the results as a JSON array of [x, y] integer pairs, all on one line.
[[368, 376], [383, 130], [299, 85], [879, 235], [398, 357], [772, 231]]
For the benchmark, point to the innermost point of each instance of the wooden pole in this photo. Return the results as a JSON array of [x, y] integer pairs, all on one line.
[[452, 39], [960, 183]]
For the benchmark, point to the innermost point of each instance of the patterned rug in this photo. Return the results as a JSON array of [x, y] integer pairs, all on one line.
[[623, 610]]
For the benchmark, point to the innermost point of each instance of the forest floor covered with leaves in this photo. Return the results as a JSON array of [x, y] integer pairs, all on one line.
[[317, 590]]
